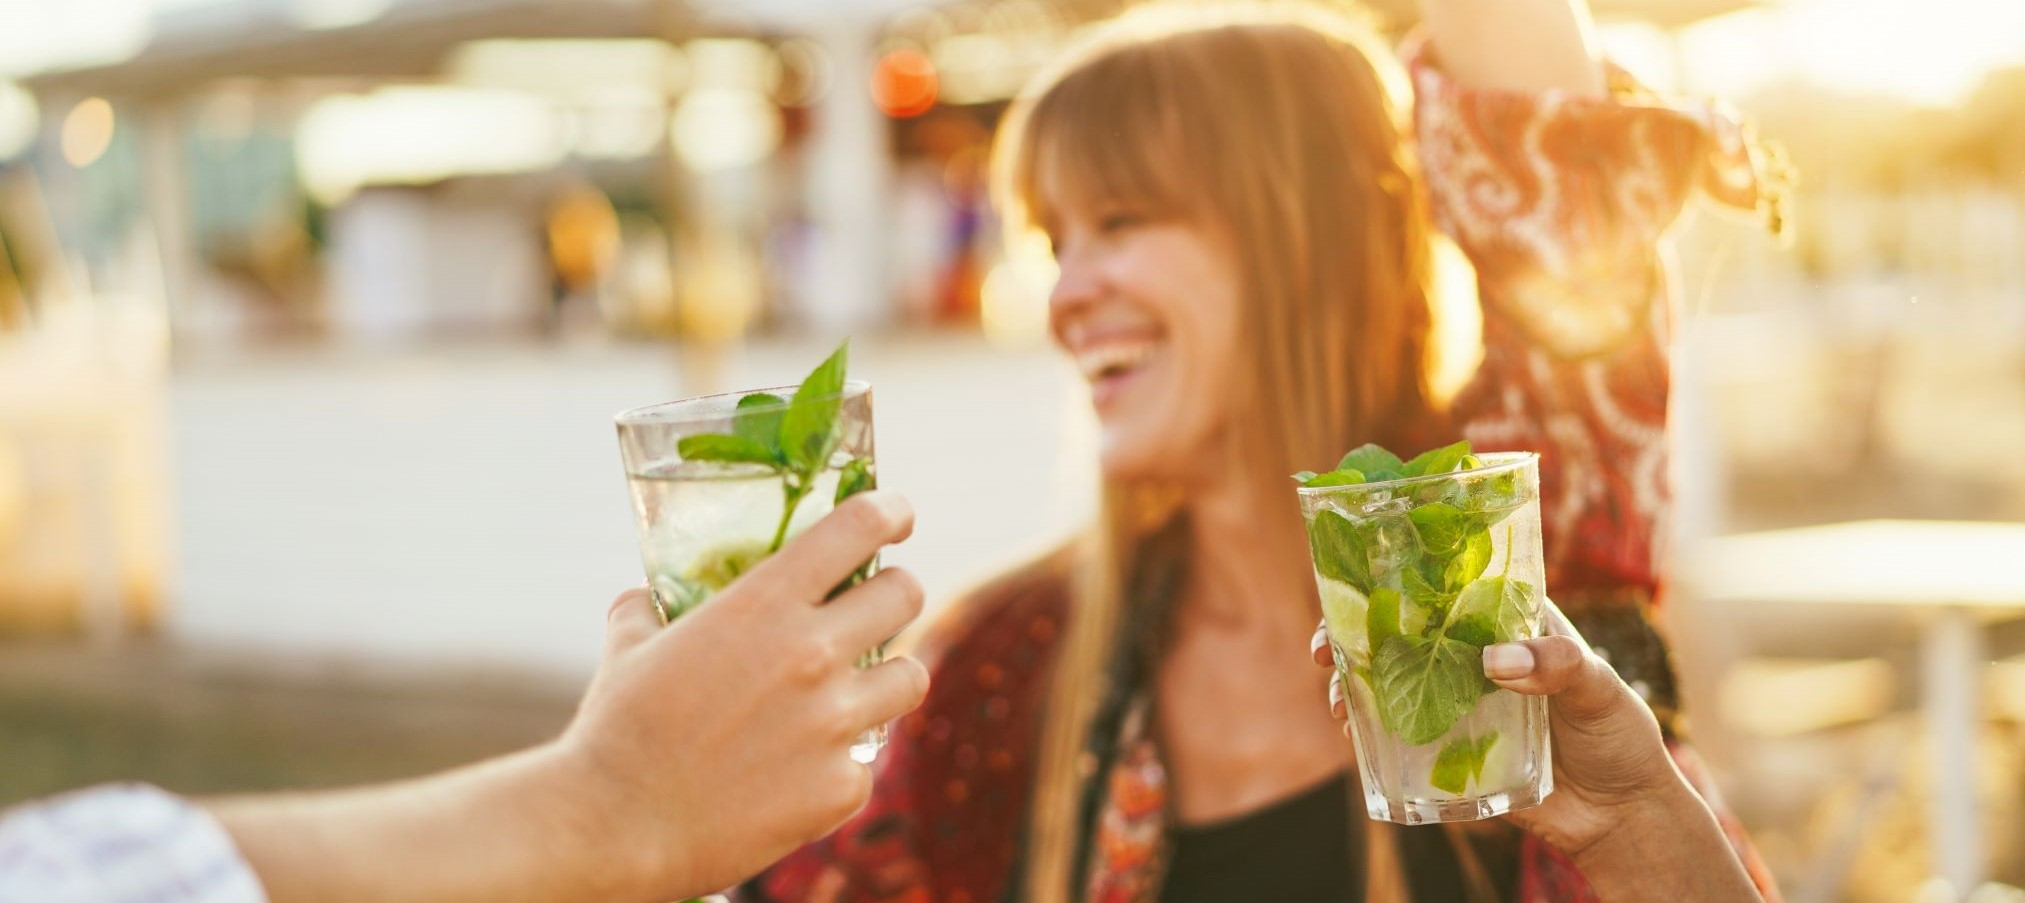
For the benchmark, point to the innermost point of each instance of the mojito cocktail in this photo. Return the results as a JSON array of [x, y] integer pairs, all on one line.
[[721, 482], [1420, 565]]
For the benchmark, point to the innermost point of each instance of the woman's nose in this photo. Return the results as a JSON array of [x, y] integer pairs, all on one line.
[[1076, 286]]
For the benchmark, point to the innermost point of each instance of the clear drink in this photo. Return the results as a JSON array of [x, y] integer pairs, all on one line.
[[703, 523], [1417, 576], [721, 482]]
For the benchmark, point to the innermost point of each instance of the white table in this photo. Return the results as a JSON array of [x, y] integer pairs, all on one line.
[[1952, 576]]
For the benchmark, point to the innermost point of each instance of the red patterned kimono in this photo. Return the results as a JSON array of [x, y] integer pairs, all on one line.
[[1561, 203]]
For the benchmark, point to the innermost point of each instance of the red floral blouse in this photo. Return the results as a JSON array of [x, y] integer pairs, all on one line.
[[1561, 203]]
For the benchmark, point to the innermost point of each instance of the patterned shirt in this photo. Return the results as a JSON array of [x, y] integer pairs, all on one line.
[[126, 843]]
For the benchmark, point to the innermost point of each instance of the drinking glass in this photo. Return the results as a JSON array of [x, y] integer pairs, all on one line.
[[703, 520], [1417, 576]]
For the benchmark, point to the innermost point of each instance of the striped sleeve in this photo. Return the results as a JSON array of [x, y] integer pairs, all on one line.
[[127, 843]]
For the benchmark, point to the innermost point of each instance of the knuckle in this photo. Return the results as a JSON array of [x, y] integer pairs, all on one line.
[[811, 659]]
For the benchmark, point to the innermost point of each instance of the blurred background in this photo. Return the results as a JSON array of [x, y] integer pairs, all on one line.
[[313, 315]]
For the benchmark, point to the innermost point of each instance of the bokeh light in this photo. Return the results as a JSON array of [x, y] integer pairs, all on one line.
[[619, 122], [1931, 53], [727, 119], [87, 131], [724, 128], [19, 118], [1014, 299], [568, 69], [331, 14], [904, 83], [417, 135], [806, 73]]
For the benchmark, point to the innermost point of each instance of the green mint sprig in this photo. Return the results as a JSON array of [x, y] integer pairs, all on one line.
[[1430, 610], [1371, 463], [795, 438], [1461, 761]]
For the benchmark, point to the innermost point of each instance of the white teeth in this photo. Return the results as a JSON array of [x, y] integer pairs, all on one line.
[[1106, 359]]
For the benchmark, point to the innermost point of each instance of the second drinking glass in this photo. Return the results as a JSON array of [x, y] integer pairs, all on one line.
[[1417, 576]]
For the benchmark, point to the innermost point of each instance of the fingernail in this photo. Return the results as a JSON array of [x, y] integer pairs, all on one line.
[[1507, 661], [1335, 694]]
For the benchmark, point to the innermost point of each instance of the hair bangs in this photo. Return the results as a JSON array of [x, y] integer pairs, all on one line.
[[1102, 136]]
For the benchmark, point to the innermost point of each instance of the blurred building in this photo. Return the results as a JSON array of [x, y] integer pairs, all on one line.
[[216, 178], [373, 169]]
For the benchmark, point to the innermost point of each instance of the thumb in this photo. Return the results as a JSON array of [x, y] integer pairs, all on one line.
[[631, 620], [1584, 687]]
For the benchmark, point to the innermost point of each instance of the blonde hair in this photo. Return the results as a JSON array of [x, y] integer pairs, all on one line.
[[1284, 127]]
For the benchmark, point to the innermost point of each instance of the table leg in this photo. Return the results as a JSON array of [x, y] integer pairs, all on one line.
[[1954, 660]]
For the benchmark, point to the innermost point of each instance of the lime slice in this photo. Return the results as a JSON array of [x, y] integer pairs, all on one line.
[[1344, 610], [716, 568]]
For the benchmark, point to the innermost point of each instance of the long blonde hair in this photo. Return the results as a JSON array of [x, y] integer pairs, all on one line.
[[1285, 127]]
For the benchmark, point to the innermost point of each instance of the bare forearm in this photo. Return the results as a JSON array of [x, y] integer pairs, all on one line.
[[1669, 850], [497, 831], [1516, 45]]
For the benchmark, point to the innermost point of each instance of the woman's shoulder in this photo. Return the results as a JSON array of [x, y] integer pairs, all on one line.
[[1016, 617], [989, 655]]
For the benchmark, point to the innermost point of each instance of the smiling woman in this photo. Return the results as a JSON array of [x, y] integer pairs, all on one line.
[[1242, 204], [1145, 169]]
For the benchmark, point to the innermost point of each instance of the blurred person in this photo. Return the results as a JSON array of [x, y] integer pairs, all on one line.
[[1241, 202], [700, 753]]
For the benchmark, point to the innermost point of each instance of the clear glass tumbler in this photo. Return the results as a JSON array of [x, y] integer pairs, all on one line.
[[1417, 576], [714, 491]]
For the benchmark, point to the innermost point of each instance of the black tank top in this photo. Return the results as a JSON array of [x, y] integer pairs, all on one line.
[[1304, 849], [1293, 851]]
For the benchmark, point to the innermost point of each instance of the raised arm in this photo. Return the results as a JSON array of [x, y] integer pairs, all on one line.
[[1516, 45]]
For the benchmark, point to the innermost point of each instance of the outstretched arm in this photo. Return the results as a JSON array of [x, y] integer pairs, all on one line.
[[1516, 45], [702, 752]]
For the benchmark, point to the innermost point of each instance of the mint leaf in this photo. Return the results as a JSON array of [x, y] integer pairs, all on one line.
[[1425, 685], [1335, 478], [1494, 610], [1460, 761], [1430, 598], [758, 418], [1496, 496], [722, 447], [1441, 527], [856, 477], [1437, 461], [1338, 549], [809, 428], [1304, 476], [1370, 458], [1381, 620], [1469, 562]]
